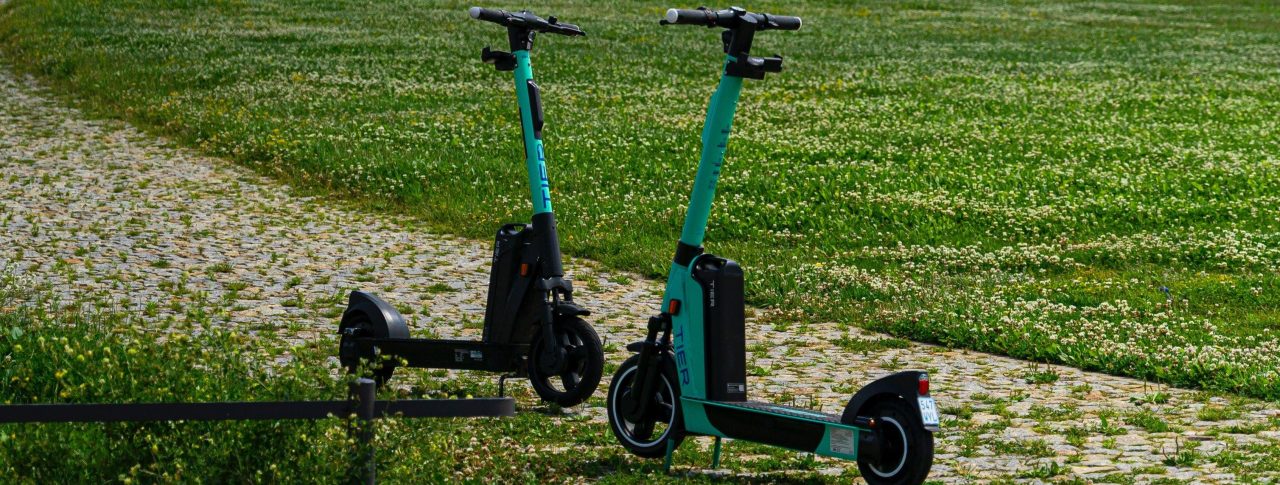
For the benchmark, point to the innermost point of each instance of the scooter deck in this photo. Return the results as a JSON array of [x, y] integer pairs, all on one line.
[[788, 411], [775, 424], [452, 354]]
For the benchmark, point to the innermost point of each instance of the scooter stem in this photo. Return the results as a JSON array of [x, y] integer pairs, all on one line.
[[531, 125], [715, 137]]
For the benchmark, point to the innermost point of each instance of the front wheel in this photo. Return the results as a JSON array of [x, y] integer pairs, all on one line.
[[906, 447], [663, 421], [572, 380]]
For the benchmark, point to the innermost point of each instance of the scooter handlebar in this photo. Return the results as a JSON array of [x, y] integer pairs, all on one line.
[[526, 20], [730, 18]]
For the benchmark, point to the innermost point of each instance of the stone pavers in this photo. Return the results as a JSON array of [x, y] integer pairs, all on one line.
[[105, 216]]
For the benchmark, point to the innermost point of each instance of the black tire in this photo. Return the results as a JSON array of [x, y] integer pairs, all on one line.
[[573, 382], [639, 438], [357, 323], [907, 449]]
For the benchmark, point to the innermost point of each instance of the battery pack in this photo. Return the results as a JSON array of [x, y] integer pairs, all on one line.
[[508, 247], [724, 324]]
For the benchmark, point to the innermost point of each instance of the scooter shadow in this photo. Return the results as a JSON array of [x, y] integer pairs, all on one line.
[[697, 475]]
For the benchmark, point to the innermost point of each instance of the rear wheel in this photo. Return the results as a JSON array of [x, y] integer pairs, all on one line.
[[664, 421], [571, 381], [906, 447]]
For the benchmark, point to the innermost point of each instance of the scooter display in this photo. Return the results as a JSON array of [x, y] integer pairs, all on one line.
[[688, 376], [532, 327]]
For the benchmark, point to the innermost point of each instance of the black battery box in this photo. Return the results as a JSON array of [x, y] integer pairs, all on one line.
[[508, 248], [724, 324]]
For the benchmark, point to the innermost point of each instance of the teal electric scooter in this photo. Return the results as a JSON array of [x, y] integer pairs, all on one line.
[[688, 376], [532, 327]]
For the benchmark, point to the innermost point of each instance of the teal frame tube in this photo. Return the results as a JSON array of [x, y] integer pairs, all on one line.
[[715, 138], [534, 157]]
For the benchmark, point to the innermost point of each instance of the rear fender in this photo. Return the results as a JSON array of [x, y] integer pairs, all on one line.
[[385, 321], [903, 385]]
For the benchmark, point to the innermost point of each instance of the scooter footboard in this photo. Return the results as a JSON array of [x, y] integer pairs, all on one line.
[[774, 424], [909, 385], [453, 354]]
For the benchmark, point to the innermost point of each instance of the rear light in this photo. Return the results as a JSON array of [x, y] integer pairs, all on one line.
[[923, 384]]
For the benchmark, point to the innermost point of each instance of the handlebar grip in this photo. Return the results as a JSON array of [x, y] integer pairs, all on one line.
[[489, 15], [680, 16], [782, 22]]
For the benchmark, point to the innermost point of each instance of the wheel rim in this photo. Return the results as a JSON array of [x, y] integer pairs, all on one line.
[[350, 357], [635, 432], [901, 444], [569, 375]]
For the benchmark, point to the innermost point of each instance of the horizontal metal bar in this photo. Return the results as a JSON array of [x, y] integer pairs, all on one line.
[[444, 408], [268, 410]]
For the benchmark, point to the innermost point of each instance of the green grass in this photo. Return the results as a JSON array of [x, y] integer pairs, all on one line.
[[1081, 183]]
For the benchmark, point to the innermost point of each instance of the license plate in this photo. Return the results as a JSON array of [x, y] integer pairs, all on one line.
[[929, 411]]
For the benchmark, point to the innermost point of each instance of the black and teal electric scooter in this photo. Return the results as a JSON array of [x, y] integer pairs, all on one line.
[[688, 376], [532, 327]]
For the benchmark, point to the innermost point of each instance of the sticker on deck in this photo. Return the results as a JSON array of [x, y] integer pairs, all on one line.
[[842, 441]]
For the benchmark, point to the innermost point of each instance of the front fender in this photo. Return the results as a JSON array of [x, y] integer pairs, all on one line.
[[568, 309]]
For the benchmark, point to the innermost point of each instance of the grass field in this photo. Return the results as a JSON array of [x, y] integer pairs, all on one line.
[[71, 357], [1087, 183]]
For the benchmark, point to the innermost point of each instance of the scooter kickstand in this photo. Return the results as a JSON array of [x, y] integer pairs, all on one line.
[[671, 448], [502, 384], [715, 456]]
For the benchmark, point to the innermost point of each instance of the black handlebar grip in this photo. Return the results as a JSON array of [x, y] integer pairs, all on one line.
[[781, 22], [680, 16], [489, 15]]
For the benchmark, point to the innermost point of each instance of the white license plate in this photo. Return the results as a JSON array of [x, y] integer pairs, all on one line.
[[929, 411]]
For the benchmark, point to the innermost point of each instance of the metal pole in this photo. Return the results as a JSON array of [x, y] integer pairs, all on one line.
[[715, 457], [367, 393]]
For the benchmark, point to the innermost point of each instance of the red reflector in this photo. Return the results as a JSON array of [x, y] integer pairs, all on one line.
[[524, 269], [924, 385], [673, 307]]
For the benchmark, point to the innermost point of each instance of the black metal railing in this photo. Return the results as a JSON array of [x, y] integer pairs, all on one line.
[[361, 402]]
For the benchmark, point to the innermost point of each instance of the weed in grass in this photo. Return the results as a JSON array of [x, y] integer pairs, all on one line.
[[869, 345], [1037, 448], [1107, 428], [1038, 376], [1158, 397], [440, 288], [1148, 421], [1076, 435], [1044, 471], [1216, 413], [1180, 456]]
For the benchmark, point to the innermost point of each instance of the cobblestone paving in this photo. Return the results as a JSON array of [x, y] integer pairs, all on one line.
[[109, 217]]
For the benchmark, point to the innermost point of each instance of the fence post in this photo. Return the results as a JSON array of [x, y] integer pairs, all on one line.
[[366, 392]]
